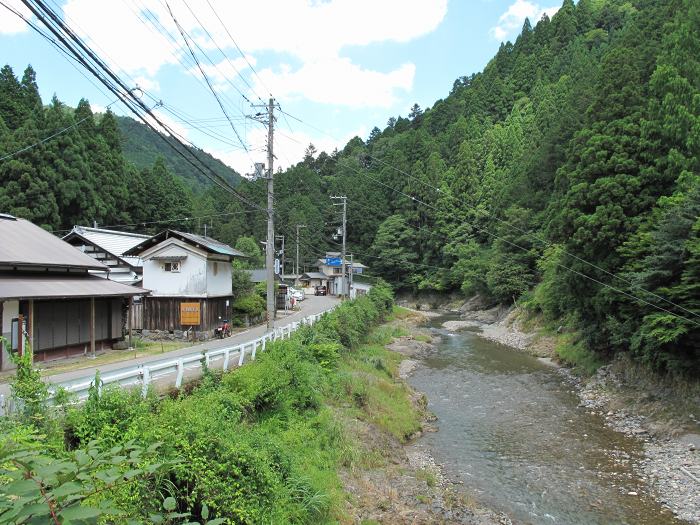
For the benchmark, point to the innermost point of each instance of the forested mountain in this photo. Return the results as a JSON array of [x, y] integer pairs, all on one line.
[[565, 176], [142, 146]]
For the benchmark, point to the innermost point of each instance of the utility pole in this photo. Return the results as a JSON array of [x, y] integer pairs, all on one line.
[[269, 118], [344, 204], [296, 269], [350, 278], [270, 246]]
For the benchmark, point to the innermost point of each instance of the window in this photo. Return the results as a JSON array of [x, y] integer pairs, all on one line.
[[336, 270], [172, 267]]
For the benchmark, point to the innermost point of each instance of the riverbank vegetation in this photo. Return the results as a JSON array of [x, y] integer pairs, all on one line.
[[261, 444]]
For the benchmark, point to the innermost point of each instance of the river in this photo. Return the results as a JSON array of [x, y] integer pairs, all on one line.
[[511, 429]]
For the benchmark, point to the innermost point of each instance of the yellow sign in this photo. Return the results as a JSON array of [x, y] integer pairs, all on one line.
[[190, 314]]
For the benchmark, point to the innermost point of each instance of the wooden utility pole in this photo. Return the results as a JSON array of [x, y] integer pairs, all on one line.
[[296, 269], [270, 246], [269, 119], [344, 204]]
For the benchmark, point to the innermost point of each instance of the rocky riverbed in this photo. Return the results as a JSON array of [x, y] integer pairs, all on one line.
[[671, 463]]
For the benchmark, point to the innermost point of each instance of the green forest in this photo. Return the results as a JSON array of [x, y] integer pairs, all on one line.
[[565, 177]]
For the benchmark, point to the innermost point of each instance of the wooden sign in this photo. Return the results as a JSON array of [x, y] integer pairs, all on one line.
[[190, 314]]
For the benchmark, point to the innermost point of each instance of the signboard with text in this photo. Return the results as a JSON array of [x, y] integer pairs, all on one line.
[[333, 261], [190, 314]]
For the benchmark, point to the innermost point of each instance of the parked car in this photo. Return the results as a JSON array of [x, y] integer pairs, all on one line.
[[321, 290], [297, 294]]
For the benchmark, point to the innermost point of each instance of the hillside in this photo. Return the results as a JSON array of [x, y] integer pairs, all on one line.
[[565, 176], [141, 146]]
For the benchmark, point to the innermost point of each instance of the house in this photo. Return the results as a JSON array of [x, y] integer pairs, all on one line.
[[190, 280], [331, 266], [313, 279], [108, 247], [52, 297]]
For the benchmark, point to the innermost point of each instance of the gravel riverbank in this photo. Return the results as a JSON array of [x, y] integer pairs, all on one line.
[[671, 463]]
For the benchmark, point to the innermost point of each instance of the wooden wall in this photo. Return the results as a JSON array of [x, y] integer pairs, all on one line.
[[163, 313], [66, 323]]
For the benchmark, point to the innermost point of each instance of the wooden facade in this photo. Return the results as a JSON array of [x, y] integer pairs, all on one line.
[[163, 313], [61, 328]]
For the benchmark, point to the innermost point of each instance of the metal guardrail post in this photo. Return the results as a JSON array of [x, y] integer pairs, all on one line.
[[180, 373], [241, 355], [146, 380], [226, 356], [255, 347], [206, 358], [3, 411]]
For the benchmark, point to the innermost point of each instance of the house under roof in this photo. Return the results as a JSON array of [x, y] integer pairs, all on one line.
[[206, 243]]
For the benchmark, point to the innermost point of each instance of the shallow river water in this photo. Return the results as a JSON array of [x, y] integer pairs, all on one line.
[[510, 428]]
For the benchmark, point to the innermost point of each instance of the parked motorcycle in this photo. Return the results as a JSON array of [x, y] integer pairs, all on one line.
[[224, 329]]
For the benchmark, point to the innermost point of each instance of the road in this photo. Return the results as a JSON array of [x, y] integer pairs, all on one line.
[[311, 305]]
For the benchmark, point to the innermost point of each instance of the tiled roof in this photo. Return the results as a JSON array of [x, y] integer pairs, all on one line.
[[25, 244], [206, 243], [112, 241]]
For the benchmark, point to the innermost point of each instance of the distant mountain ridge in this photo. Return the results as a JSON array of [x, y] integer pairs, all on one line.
[[142, 146]]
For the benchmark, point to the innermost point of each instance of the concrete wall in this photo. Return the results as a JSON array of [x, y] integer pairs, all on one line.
[[190, 281], [219, 278]]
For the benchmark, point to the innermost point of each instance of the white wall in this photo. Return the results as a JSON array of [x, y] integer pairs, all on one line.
[[219, 278], [190, 281], [10, 310]]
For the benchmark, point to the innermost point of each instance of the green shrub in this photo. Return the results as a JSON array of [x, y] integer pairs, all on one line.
[[251, 304]]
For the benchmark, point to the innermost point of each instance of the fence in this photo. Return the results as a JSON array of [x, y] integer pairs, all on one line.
[[173, 371]]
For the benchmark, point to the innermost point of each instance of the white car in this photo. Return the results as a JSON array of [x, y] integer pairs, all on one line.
[[297, 294]]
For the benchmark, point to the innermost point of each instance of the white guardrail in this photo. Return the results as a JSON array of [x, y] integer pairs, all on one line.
[[159, 371]]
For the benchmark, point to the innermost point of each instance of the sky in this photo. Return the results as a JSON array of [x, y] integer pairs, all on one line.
[[338, 67]]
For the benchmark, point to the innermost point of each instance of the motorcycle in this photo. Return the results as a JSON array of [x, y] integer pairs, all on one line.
[[224, 329]]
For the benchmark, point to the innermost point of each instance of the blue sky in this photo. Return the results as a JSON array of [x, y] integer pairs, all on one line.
[[343, 66]]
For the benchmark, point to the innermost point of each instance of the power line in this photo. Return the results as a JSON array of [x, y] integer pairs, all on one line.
[[226, 57], [238, 48], [117, 86], [206, 77]]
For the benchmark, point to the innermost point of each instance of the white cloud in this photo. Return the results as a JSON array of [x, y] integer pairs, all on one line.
[[124, 40], [338, 81], [10, 23], [512, 20], [225, 73], [314, 32]]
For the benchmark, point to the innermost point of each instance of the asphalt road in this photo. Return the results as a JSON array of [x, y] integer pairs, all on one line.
[[311, 305]]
